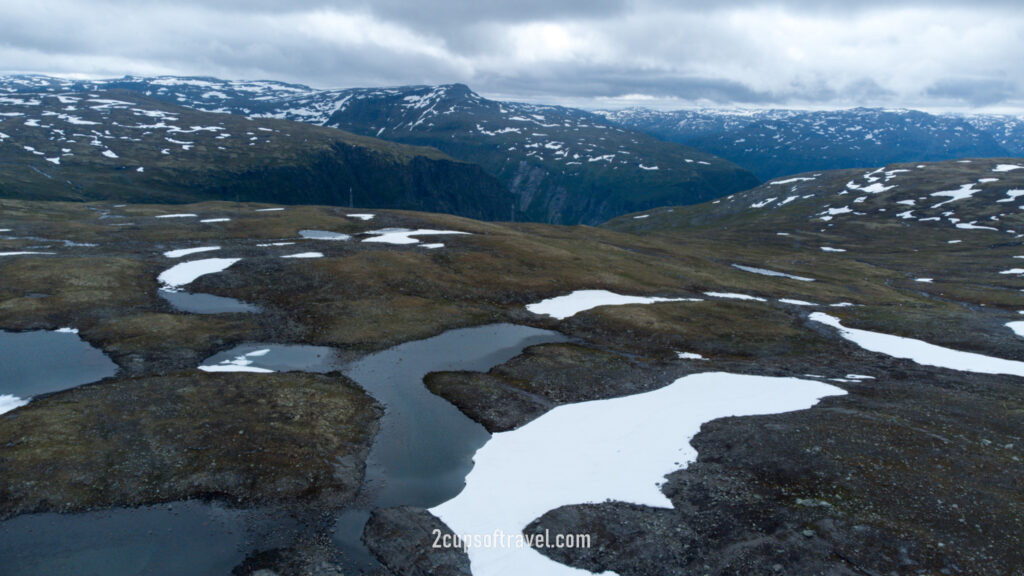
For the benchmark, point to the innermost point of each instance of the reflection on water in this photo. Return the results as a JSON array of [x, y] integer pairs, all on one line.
[[33, 363], [192, 538], [420, 457], [425, 445], [206, 303]]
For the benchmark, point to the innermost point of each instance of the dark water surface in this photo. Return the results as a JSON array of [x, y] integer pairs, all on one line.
[[425, 445], [420, 457], [33, 363], [206, 303], [281, 357]]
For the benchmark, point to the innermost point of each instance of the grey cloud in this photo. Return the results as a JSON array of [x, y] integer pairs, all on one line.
[[673, 50], [976, 92]]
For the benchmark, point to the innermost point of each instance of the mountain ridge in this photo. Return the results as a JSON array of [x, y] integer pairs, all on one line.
[[562, 165], [120, 145], [773, 142]]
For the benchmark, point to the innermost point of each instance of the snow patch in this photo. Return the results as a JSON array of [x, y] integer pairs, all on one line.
[[618, 449], [790, 181], [305, 255], [922, 352], [734, 296], [189, 251], [766, 272], [185, 273], [1017, 327], [562, 307], [8, 403], [965, 191], [401, 236]]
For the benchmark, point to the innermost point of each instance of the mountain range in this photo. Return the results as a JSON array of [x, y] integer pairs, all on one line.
[[561, 165], [774, 143]]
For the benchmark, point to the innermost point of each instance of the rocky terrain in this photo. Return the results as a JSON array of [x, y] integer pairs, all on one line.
[[915, 470]]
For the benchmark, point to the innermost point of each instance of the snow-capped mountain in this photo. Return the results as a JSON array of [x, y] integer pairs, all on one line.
[[774, 143], [563, 165]]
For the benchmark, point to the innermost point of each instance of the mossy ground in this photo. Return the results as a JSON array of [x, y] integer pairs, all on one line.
[[362, 297], [246, 438]]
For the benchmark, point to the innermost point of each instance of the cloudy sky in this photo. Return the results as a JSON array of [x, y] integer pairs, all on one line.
[[936, 55]]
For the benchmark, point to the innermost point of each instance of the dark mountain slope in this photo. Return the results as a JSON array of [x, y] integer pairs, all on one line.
[[562, 165], [122, 146], [774, 143]]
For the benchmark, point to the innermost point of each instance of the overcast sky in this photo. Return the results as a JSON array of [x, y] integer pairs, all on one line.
[[937, 55]]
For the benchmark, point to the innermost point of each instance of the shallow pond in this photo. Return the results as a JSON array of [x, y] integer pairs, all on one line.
[[206, 303], [43, 361], [276, 358], [192, 538], [420, 457]]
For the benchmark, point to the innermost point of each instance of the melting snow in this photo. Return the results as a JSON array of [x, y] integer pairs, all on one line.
[[24, 253], [922, 352], [763, 203], [695, 356], [404, 235], [1017, 327], [109, 154], [1007, 168], [642, 216], [212, 220], [765, 272], [734, 296], [973, 226], [269, 209], [618, 449], [796, 302], [8, 402], [965, 191], [305, 255], [185, 273], [790, 181], [188, 251], [1011, 195], [239, 364], [925, 280], [830, 249], [562, 307], [177, 216], [363, 217]]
